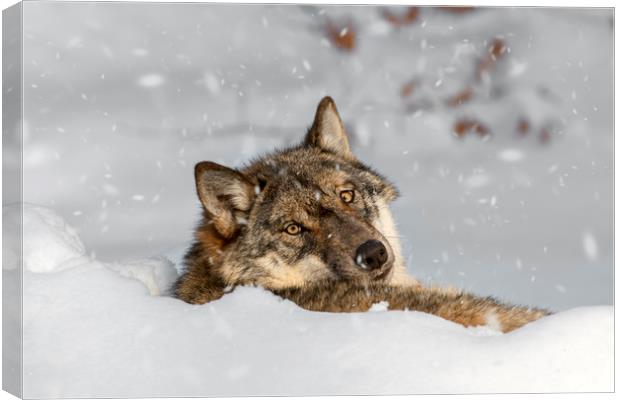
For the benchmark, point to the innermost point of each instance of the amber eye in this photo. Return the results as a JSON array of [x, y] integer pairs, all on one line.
[[347, 196], [293, 229]]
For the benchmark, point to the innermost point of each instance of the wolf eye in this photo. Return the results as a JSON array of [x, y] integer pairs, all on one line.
[[293, 229], [347, 196]]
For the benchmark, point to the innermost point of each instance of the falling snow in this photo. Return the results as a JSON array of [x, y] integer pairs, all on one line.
[[590, 247], [510, 155], [151, 80]]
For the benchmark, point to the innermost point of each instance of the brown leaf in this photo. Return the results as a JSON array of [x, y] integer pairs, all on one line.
[[407, 89], [461, 97], [495, 51], [401, 19], [341, 35], [523, 127], [464, 126], [497, 48], [458, 10]]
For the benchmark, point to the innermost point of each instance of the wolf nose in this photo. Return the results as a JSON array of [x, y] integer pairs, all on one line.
[[371, 255]]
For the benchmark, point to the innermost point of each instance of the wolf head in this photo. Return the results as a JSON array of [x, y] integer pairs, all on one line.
[[298, 216]]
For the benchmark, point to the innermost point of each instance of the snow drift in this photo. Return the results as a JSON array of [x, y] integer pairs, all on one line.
[[94, 329]]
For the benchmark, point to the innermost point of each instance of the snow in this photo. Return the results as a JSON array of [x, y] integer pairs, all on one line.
[[95, 329], [51, 246], [151, 80], [523, 213], [589, 246], [510, 155]]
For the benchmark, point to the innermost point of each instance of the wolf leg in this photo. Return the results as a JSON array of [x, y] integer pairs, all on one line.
[[197, 288], [470, 310], [453, 305]]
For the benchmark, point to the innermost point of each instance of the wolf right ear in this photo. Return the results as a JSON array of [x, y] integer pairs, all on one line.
[[225, 194], [327, 131]]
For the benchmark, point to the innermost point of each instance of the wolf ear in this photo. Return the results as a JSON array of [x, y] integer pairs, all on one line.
[[327, 131], [225, 194]]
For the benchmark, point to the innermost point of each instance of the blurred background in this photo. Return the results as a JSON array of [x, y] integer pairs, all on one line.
[[495, 123]]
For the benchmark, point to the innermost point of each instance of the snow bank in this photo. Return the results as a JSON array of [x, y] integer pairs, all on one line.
[[95, 330], [52, 245], [156, 273]]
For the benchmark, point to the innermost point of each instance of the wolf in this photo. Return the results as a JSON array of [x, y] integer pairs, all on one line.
[[312, 224]]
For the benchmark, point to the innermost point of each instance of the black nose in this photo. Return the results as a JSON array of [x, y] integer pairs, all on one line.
[[371, 255]]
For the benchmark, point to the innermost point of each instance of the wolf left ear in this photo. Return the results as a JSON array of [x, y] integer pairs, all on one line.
[[327, 131], [226, 195]]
